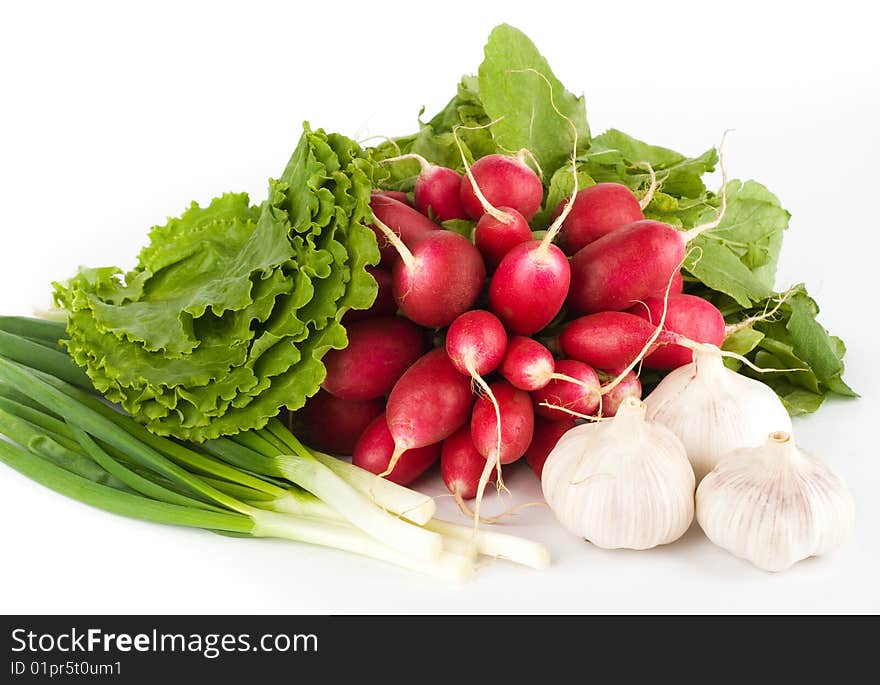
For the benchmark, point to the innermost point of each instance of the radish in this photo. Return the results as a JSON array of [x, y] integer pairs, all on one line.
[[437, 189], [333, 425], [504, 182], [530, 285], [461, 465], [498, 231], [379, 351], [608, 340], [517, 424], [597, 211], [547, 434], [375, 448], [428, 404], [629, 386], [407, 224], [476, 342], [633, 262], [383, 305], [566, 397], [438, 279], [528, 365], [398, 195], [690, 316]]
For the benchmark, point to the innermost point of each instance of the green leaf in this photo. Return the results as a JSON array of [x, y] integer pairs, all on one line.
[[520, 100], [797, 401], [230, 309], [561, 188], [743, 341], [812, 342], [460, 226], [739, 256]]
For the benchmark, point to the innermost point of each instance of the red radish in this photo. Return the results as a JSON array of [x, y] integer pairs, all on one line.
[[332, 425], [690, 316], [376, 446], [378, 352], [629, 386], [398, 195], [476, 342], [498, 232], [517, 424], [461, 464], [547, 434], [438, 279], [504, 182], [406, 223], [632, 262], [530, 285], [597, 210], [383, 305], [528, 365], [428, 404], [437, 189], [581, 397], [607, 340]]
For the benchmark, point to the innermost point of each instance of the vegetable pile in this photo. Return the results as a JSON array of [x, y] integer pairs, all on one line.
[[465, 294]]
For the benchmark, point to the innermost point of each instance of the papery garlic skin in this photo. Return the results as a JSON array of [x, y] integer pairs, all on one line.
[[714, 410], [774, 505], [621, 483]]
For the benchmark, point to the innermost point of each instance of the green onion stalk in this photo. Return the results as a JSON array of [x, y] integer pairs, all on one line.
[[259, 483]]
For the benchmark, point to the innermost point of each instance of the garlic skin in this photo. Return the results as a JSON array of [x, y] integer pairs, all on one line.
[[621, 483], [714, 410], [774, 505]]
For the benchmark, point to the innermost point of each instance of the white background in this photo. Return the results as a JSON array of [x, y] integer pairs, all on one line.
[[112, 118]]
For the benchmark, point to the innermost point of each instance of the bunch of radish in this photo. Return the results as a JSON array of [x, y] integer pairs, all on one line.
[[493, 392]]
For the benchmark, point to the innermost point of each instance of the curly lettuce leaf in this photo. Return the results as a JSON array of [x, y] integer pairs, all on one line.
[[231, 307]]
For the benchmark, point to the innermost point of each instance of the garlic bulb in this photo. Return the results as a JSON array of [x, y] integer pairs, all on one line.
[[774, 504], [624, 482], [714, 410]]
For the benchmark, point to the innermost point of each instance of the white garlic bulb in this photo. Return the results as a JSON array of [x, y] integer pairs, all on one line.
[[624, 482], [714, 410], [774, 504]]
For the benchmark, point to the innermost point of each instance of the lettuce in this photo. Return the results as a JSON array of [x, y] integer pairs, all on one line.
[[231, 307]]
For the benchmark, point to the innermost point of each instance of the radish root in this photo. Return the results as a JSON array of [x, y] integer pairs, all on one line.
[[466, 510], [423, 163], [525, 154], [387, 139], [649, 194], [396, 242], [766, 315], [697, 230], [572, 412]]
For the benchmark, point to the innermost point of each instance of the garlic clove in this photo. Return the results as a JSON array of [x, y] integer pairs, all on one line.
[[622, 482], [774, 504], [714, 410]]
